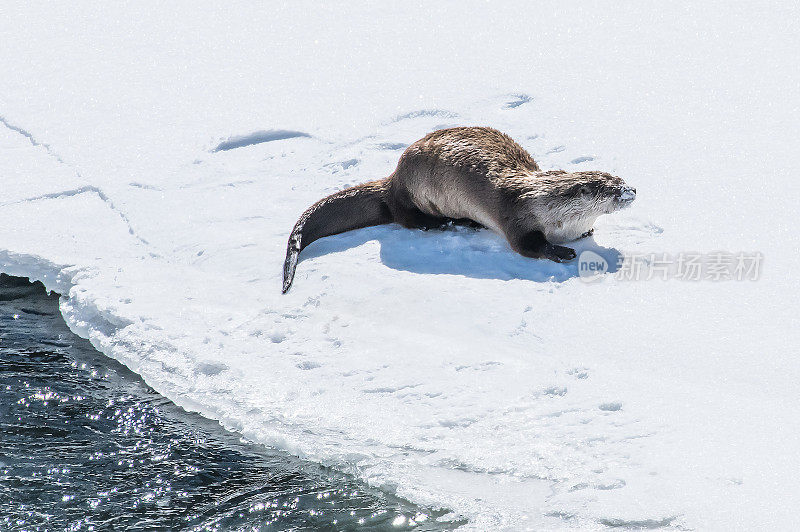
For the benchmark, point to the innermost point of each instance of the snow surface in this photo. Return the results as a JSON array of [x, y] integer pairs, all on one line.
[[153, 161]]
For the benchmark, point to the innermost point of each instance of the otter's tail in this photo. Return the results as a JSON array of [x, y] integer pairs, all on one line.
[[353, 208]]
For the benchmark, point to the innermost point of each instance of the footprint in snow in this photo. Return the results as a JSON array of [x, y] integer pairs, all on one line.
[[342, 165], [257, 137], [425, 113], [392, 146], [555, 391], [517, 100], [210, 368], [579, 373]]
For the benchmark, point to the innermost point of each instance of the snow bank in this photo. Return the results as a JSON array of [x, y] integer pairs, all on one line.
[[153, 164]]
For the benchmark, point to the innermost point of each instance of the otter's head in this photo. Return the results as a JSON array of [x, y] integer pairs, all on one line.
[[601, 192], [584, 194]]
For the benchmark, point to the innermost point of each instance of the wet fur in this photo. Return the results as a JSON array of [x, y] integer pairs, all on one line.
[[465, 174]]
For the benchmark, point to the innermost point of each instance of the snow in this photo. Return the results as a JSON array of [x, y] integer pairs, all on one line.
[[153, 162]]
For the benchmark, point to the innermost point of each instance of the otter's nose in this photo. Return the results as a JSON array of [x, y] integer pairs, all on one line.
[[627, 194]]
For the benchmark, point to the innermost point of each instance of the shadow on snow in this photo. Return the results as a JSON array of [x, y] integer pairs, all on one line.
[[480, 254]]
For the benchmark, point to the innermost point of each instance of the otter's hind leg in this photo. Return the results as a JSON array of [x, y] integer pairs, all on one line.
[[534, 245], [467, 222], [413, 218]]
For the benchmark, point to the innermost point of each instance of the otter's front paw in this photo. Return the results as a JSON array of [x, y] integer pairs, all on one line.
[[560, 253], [590, 232]]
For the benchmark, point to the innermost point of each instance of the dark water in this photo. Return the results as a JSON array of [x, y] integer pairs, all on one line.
[[87, 445]]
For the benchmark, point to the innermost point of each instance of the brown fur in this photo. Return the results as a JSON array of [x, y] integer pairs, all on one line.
[[475, 174]]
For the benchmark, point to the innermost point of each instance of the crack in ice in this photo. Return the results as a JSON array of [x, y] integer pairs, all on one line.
[[83, 190], [72, 192]]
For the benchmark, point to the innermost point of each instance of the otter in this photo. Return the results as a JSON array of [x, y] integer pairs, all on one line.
[[470, 175]]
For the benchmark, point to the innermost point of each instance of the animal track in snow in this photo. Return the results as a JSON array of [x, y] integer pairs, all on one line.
[[554, 391], [638, 524], [483, 366], [211, 368], [425, 112], [257, 137], [583, 159], [392, 146], [389, 389], [277, 337], [518, 99], [342, 165], [142, 186], [613, 485], [579, 373]]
